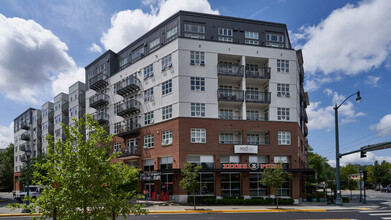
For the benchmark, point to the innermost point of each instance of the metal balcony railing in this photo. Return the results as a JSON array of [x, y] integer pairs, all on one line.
[[25, 136], [99, 81], [256, 118], [65, 108], [24, 147], [25, 126], [260, 142], [230, 117], [258, 97], [130, 151], [230, 70], [262, 73], [128, 129], [127, 108], [230, 95], [99, 100], [128, 85], [101, 117], [230, 142]]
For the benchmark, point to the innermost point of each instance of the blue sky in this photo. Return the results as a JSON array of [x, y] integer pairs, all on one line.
[[346, 44]]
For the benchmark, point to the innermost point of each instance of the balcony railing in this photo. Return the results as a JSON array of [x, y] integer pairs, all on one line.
[[258, 97], [99, 100], [101, 117], [82, 99], [51, 115], [258, 142], [230, 95], [25, 126], [65, 108], [128, 85], [256, 118], [230, 142], [127, 108], [23, 158], [230, 70], [130, 151], [230, 117], [24, 147], [25, 136], [128, 129], [262, 73], [98, 81]]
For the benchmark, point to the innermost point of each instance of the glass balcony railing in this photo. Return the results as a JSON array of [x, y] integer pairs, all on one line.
[[99, 100], [128, 129], [230, 70], [261, 73], [128, 85], [230, 95], [258, 97], [99, 81], [128, 107]]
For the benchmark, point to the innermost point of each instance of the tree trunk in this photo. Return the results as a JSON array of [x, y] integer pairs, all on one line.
[[276, 194], [54, 213], [113, 215], [194, 202]]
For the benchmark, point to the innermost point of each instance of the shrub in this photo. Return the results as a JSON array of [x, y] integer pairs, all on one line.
[[199, 199]]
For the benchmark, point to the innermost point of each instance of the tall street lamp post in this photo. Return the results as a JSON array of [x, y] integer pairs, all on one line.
[[338, 201], [28, 154]]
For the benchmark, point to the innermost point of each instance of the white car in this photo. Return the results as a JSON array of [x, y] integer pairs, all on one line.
[[34, 192]]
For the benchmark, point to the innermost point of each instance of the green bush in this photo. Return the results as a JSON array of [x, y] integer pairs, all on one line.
[[211, 200], [199, 199], [285, 201]]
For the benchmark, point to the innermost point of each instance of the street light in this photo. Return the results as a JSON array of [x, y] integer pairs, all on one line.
[[338, 200], [28, 154]]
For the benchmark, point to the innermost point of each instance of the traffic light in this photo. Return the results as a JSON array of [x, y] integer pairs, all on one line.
[[363, 154], [365, 175]]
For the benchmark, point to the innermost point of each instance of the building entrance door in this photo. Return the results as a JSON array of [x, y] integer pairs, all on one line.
[[150, 187]]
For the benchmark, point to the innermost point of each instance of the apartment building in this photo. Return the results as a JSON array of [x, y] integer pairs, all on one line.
[[34, 125], [226, 93]]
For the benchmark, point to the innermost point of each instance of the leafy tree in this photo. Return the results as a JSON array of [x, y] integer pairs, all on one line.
[[381, 173], [85, 185], [7, 168], [274, 177], [35, 166], [190, 181], [319, 164]]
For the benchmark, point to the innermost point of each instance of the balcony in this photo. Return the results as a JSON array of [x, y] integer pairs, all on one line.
[[101, 117], [128, 129], [230, 70], [230, 95], [51, 115], [256, 118], [132, 152], [230, 117], [23, 158], [98, 82], [258, 97], [262, 73], [230, 142], [25, 136], [24, 147], [82, 99], [99, 100], [127, 108], [25, 126], [65, 108], [127, 86]]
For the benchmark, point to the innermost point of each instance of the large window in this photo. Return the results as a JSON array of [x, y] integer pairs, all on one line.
[[148, 141], [283, 66], [117, 147], [225, 32], [197, 109], [137, 53], [148, 118], [166, 183], [73, 110], [226, 114], [258, 159], [167, 112], [123, 62], [252, 115], [117, 126], [173, 31], [167, 87], [148, 71], [195, 31], [57, 119], [57, 105], [197, 83], [226, 138], [274, 40], [166, 137], [166, 62], [148, 95], [256, 188], [165, 163], [251, 38], [154, 43], [224, 159], [283, 90], [283, 114], [148, 165], [198, 135], [206, 161], [197, 57], [284, 138], [253, 139], [230, 184], [131, 145]]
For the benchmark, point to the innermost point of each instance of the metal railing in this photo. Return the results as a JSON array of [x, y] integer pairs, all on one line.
[[230, 95], [230, 70], [128, 128], [128, 85], [230, 142], [101, 116], [262, 73], [230, 117], [99, 99], [99, 77], [260, 97], [128, 107]]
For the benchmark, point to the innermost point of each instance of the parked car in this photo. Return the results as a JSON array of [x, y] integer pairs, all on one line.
[[386, 189], [34, 192]]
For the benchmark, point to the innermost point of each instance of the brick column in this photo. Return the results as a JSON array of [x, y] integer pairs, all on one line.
[[245, 184], [218, 184]]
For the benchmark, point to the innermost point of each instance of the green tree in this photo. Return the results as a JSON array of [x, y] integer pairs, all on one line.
[[85, 185], [274, 177], [190, 181], [381, 173], [35, 166], [319, 164], [7, 168]]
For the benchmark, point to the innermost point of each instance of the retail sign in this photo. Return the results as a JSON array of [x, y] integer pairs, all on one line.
[[354, 176], [245, 149], [252, 166], [150, 176]]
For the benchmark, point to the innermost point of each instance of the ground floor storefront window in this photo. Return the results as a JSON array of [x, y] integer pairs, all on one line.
[[285, 189], [256, 188], [230, 184], [166, 184], [207, 184]]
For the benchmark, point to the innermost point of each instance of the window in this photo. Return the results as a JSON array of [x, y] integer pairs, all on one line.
[[283, 114], [154, 43], [284, 160], [225, 39], [252, 115], [166, 137], [167, 87], [123, 61], [206, 161], [283, 90], [283, 66], [131, 145], [57, 119], [252, 94], [198, 135], [148, 71], [275, 37], [133, 163], [251, 42], [226, 114], [224, 159], [148, 165], [57, 105], [45, 125], [148, 95], [194, 31], [256, 188], [167, 112], [173, 31], [258, 159], [225, 32], [58, 132], [117, 147], [116, 107], [197, 109], [165, 163], [148, 141], [117, 127], [252, 35], [197, 83], [230, 184], [166, 62], [284, 138], [44, 113], [73, 111], [137, 53], [226, 138], [197, 57], [253, 139], [148, 118]]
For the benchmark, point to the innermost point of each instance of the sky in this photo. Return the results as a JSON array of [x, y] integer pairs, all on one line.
[[346, 45]]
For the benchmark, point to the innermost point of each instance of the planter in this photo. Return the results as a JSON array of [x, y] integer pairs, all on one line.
[[304, 199], [322, 200], [314, 199]]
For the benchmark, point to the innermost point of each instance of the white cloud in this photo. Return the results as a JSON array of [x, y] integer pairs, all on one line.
[[351, 40], [63, 80], [323, 117], [372, 81], [32, 58], [356, 159], [95, 48], [128, 25], [383, 128], [148, 2], [6, 135]]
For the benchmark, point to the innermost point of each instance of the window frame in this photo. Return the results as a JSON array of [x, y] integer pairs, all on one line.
[[198, 135]]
